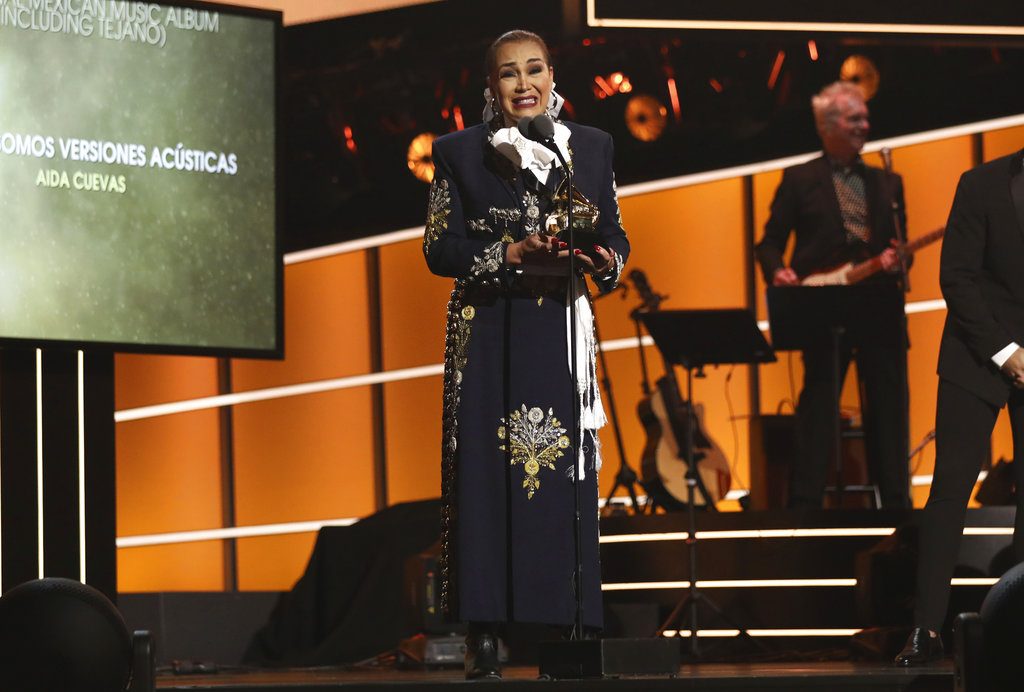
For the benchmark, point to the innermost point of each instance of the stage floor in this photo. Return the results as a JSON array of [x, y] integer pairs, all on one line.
[[738, 677]]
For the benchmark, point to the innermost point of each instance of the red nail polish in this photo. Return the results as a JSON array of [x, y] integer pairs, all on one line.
[[578, 251], [597, 247]]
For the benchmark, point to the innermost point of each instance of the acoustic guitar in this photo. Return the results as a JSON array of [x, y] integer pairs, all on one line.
[[851, 273], [663, 412]]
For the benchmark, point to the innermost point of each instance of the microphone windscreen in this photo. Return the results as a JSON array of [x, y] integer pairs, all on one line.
[[524, 126], [886, 154], [544, 127]]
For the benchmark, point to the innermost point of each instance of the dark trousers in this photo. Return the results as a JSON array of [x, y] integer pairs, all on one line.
[[883, 371], [963, 428]]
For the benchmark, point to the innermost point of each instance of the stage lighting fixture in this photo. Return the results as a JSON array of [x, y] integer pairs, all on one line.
[[418, 156], [773, 78], [350, 142], [609, 85], [646, 117], [862, 72], [60, 634]]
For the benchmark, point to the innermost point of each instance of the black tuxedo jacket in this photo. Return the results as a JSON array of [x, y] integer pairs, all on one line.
[[806, 203], [982, 277]]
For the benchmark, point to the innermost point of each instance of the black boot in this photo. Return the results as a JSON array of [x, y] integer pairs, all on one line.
[[482, 652], [923, 646]]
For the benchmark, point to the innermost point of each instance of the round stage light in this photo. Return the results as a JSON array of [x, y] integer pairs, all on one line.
[[862, 72], [59, 634], [646, 117], [418, 157]]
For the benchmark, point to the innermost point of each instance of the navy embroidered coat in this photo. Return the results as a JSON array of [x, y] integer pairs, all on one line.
[[507, 534]]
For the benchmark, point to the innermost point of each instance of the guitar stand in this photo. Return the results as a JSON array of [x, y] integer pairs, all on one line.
[[625, 477], [693, 339]]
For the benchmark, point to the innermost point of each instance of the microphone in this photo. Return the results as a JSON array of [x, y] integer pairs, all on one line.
[[540, 128], [886, 154]]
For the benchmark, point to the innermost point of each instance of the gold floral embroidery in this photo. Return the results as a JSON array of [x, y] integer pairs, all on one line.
[[439, 207], [459, 330], [533, 440]]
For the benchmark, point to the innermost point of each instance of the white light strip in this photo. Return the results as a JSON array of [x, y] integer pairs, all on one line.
[[256, 531], [973, 581], [835, 632], [319, 386], [728, 584], [823, 27], [796, 533], [644, 537], [830, 27], [625, 344], [767, 584], [353, 245], [772, 583], [276, 392], [645, 586], [926, 479], [233, 532], [925, 306], [39, 458], [988, 530], [752, 533], [880, 532], [684, 181], [81, 466]]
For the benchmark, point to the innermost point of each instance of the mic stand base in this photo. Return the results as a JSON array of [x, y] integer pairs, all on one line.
[[599, 658]]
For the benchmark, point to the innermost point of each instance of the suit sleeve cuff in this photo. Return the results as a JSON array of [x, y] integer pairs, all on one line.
[[1004, 354]]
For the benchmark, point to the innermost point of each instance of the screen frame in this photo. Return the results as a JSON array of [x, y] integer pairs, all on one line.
[[276, 352]]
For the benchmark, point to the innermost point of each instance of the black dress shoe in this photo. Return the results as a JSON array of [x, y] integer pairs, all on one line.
[[922, 647], [482, 653]]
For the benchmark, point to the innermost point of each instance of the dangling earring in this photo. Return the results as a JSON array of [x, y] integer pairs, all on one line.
[[491, 109]]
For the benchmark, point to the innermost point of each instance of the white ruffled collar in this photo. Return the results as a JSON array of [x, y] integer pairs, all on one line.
[[529, 155]]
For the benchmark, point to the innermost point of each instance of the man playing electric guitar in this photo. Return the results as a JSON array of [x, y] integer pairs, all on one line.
[[841, 211]]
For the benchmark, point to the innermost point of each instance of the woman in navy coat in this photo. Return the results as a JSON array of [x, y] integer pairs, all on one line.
[[507, 473]]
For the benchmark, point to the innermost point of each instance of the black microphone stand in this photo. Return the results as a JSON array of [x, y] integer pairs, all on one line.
[[901, 240], [545, 137], [897, 220]]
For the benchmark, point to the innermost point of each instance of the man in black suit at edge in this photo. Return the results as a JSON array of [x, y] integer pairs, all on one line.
[[981, 369], [841, 210]]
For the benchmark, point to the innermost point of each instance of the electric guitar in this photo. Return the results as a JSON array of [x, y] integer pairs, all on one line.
[[851, 273]]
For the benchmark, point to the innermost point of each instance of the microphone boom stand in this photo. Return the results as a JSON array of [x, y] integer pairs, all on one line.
[[581, 658]]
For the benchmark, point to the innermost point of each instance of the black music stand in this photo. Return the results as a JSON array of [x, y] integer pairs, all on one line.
[[804, 317], [693, 339]]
